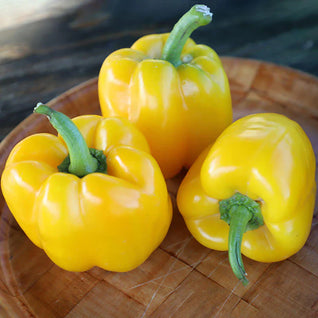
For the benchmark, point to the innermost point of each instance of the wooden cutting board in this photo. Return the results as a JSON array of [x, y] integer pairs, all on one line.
[[181, 278]]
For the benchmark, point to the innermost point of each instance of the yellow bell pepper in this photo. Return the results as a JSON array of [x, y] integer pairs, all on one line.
[[175, 91], [80, 214], [253, 191]]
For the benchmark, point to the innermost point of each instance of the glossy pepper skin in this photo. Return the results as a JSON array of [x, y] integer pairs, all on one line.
[[113, 220], [264, 157], [181, 103]]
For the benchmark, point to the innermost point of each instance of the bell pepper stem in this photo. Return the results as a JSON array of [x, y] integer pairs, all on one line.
[[242, 214], [81, 160], [197, 16], [239, 220]]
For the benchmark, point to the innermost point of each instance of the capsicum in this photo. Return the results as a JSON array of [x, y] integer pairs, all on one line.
[[175, 91], [253, 191], [92, 196]]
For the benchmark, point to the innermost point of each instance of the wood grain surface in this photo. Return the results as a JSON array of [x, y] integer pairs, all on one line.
[[181, 278]]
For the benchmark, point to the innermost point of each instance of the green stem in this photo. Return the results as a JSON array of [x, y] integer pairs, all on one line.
[[197, 16], [242, 214], [81, 160], [239, 220]]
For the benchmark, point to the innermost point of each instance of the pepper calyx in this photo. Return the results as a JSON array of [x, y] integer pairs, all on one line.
[[242, 214], [239, 199], [97, 154]]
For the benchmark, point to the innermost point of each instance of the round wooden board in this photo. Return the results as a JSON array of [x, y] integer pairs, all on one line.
[[181, 278]]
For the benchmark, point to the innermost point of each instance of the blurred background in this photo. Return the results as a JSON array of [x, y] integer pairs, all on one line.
[[48, 46]]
